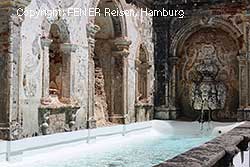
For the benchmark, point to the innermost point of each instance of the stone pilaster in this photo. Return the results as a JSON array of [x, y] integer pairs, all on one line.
[[244, 68], [92, 29], [163, 71], [120, 52], [45, 43], [160, 60], [10, 53], [172, 83]]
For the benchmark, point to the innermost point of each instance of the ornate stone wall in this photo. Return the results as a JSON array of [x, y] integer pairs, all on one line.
[[10, 49], [217, 46], [24, 61], [219, 22]]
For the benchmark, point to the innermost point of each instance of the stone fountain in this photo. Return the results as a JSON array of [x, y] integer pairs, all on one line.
[[208, 94]]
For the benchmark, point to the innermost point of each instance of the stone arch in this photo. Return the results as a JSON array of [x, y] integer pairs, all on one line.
[[57, 48], [121, 19], [188, 47], [196, 25], [108, 51], [62, 27]]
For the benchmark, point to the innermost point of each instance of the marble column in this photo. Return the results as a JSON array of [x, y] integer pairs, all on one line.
[[92, 29], [10, 54]]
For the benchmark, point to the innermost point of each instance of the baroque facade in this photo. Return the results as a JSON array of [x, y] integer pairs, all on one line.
[[205, 57], [65, 73]]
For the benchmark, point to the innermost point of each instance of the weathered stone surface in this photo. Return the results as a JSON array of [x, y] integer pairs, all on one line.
[[178, 47], [217, 152], [143, 112], [28, 45]]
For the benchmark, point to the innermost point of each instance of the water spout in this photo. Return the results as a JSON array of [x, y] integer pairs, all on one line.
[[207, 94]]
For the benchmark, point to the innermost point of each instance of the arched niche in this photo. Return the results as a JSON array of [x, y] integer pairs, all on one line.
[[121, 27], [142, 77], [57, 95], [57, 60], [222, 49], [59, 74], [109, 55]]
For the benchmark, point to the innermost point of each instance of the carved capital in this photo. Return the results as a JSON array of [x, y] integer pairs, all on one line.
[[121, 46], [68, 47], [45, 42], [92, 29]]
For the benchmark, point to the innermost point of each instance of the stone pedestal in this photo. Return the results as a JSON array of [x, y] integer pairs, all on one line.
[[144, 112], [55, 116]]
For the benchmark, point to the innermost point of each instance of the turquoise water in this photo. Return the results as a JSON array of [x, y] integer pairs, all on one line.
[[134, 152]]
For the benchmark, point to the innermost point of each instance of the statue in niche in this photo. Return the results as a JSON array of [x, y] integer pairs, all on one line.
[[207, 94]]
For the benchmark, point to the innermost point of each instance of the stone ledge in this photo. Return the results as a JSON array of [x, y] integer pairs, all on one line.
[[218, 152]]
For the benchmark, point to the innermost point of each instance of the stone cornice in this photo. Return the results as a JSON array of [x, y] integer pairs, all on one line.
[[68, 47], [121, 47]]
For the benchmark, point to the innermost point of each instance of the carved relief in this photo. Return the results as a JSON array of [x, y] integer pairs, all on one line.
[[207, 93], [218, 47], [16, 130], [56, 116], [31, 70]]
